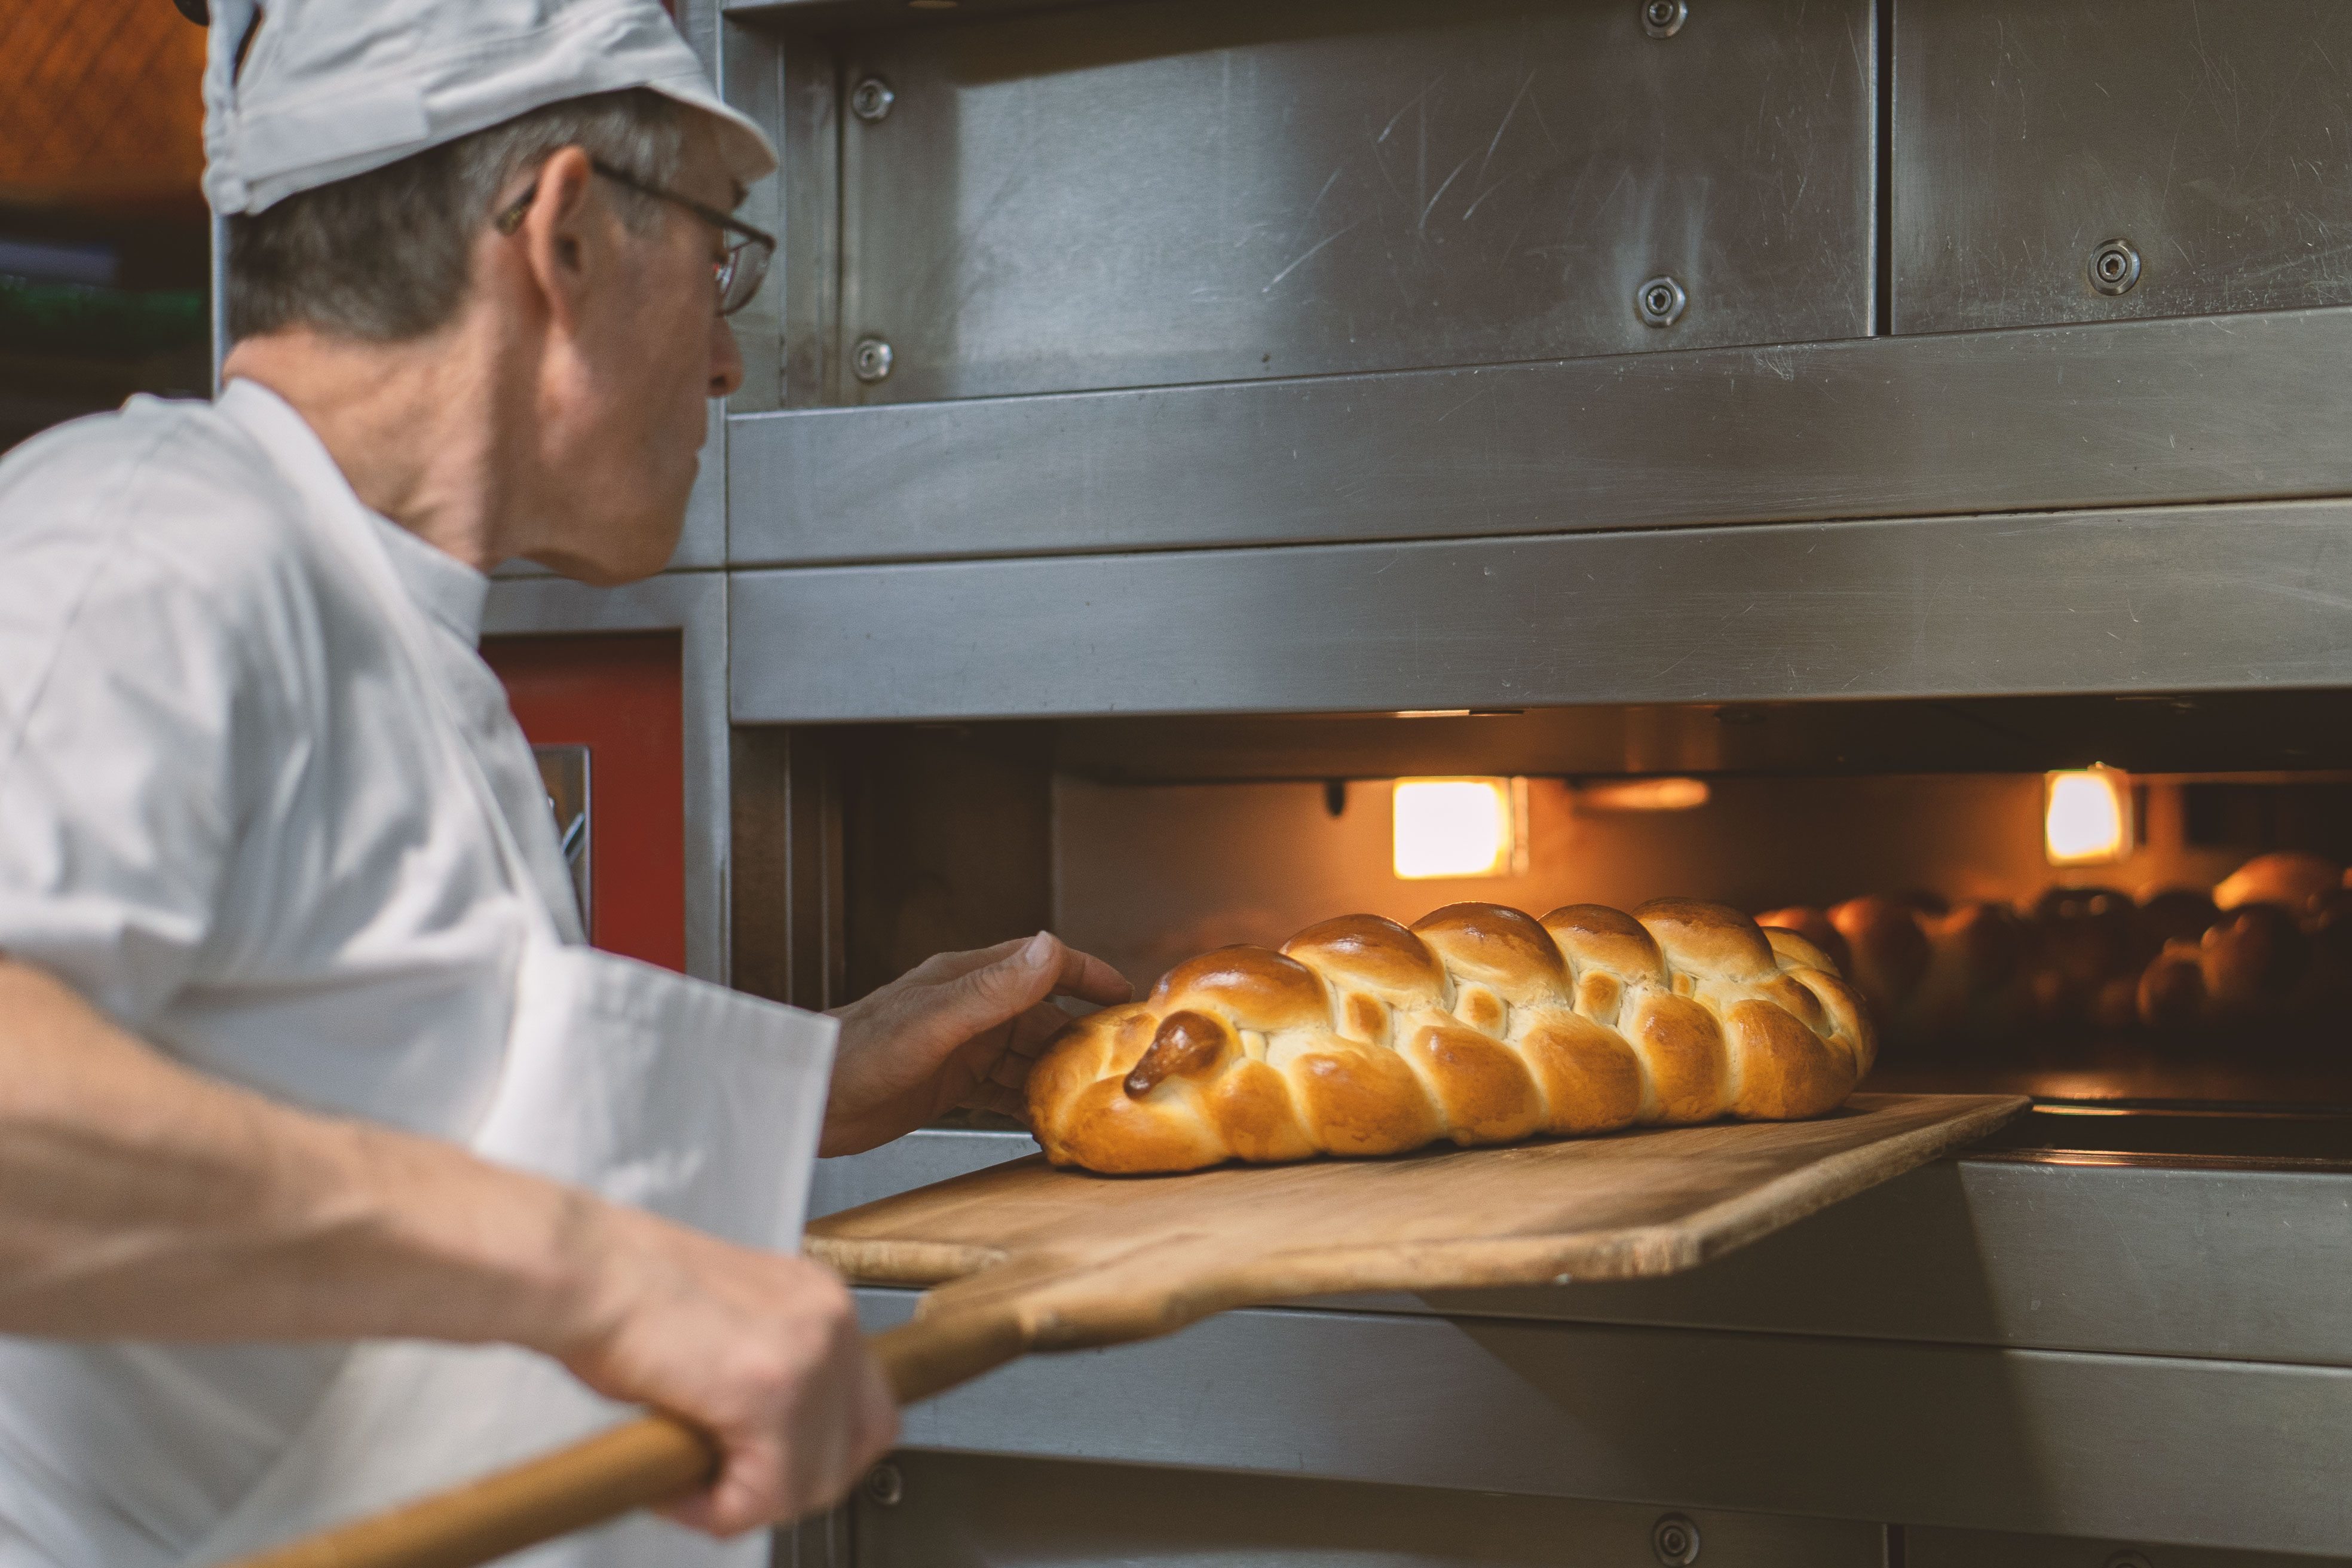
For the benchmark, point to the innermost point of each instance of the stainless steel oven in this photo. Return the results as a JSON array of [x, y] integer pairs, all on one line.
[[1179, 421]]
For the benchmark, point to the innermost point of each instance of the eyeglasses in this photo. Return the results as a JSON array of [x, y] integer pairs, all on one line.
[[738, 274]]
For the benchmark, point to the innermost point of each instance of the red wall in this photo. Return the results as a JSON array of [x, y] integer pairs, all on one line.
[[622, 696]]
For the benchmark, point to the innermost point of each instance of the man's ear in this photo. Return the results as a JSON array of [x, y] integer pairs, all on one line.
[[565, 236]]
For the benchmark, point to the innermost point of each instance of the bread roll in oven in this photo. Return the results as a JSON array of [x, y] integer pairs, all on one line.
[[2244, 968], [1928, 970], [2278, 951], [2293, 882]]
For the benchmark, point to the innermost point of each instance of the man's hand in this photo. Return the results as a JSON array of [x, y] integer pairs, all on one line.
[[761, 1351], [961, 1028]]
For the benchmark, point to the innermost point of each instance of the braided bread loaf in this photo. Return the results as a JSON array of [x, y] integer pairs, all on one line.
[[1480, 1025]]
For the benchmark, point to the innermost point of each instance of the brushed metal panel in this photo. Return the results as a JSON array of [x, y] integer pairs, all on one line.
[[2189, 599], [822, 1542], [2158, 1449], [2210, 133], [966, 1511], [1206, 190], [1989, 1549], [2236, 732], [2124, 414], [2192, 1262], [2237, 1265], [793, 204], [926, 1155]]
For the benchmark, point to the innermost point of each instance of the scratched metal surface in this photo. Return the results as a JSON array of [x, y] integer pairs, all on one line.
[[1196, 190], [2213, 134], [990, 1510], [2119, 414], [2186, 599], [2152, 1449]]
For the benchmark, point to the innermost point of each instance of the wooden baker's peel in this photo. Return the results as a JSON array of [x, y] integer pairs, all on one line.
[[1026, 1257]]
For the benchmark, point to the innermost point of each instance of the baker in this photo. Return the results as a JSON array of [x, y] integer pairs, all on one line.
[[332, 1167]]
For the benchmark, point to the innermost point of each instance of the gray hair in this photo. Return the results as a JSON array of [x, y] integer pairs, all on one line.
[[386, 255]]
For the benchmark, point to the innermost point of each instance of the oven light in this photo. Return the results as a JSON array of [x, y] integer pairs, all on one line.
[[1459, 828], [1643, 795], [2088, 818]]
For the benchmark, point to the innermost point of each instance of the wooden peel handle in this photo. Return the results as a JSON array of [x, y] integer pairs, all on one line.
[[636, 1465]]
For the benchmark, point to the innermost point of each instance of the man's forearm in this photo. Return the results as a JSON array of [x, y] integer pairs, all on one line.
[[142, 1200]]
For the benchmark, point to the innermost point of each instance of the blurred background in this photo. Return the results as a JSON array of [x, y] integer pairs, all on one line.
[[103, 231]]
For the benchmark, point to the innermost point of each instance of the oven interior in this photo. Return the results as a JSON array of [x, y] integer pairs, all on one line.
[[1147, 840]]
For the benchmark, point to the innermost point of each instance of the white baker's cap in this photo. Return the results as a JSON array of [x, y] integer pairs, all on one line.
[[331, 88]]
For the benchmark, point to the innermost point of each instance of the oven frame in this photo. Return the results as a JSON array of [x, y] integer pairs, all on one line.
[[1938, 1354]]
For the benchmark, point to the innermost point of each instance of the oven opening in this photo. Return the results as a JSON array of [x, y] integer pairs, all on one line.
[[2133, 910]]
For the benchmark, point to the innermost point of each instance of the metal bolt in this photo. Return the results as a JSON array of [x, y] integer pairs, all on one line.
[[870, 360], [871, 99], [2115, 268], [1664, 18], [1659, 301], [2126, 1559], [1676, 1539], [886, 1486]]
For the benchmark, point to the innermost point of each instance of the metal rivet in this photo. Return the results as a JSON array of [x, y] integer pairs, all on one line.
[[2115, 268], [871, 99], [1659, 301], [870, 360], [1664, 18], [2126, 1559], [1675, 1539], [886, 1486]]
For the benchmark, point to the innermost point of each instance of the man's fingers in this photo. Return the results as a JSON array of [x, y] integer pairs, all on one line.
[[945, 966], [879, 1423], [811, 1465], [931, 1038], [1002, 991], [1026, 1042], [1090, 979], [753, 1488], [1078, 974], [1027, 1037], [1002, 1100]]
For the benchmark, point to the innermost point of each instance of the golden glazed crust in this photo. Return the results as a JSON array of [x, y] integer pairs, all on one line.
[[1480, 1025]]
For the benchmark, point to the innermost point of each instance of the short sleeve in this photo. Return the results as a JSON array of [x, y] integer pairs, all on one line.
[[126, 702]]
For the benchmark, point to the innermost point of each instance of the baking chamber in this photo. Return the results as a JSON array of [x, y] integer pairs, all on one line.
[[2028, 1353], [1924, 843]]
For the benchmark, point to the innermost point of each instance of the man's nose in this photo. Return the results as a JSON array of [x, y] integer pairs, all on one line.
[[726, 360]]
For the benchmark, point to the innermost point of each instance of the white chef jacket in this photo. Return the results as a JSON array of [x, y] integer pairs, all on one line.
[[220, 822]]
